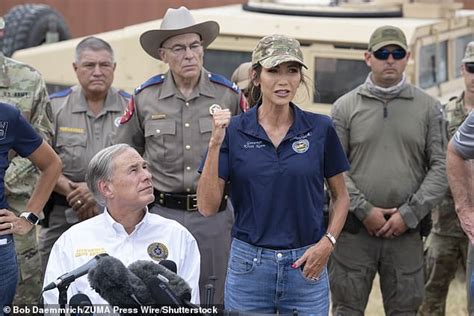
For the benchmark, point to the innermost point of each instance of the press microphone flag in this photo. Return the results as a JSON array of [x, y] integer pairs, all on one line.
[[68, 278]]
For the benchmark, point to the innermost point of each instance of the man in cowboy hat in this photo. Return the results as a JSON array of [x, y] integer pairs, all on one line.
[[169, 122]]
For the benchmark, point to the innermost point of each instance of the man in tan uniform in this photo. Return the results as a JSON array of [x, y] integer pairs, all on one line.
[[85, 118], [169, 122], [23, 87]]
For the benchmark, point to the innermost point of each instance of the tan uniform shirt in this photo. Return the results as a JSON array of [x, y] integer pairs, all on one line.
[[172, 132], [79, 133]]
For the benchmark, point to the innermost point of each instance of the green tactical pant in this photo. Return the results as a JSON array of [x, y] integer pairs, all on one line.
[[48, 236], [443, 255], [469, 270], [31, 275], [358, 257]]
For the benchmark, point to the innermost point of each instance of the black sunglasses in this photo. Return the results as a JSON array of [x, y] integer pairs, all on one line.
[[383, 53], [469, 67]]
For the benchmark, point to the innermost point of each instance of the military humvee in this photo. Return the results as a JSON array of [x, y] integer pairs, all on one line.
[[334, 35]]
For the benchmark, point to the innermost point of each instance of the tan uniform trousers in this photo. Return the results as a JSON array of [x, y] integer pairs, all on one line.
[[48, 236], [358, 257], [213, 237]]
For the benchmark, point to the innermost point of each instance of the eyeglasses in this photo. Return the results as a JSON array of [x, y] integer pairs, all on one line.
[[469, 67], [383, 54], [180, 50]]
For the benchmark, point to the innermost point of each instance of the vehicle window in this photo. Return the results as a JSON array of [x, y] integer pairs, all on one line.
[[461, 44], [433, 67], [224, 62], [335, 77]]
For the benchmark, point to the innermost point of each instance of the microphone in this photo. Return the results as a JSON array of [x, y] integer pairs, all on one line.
[[79, 305], [170, 265], [166, 287], [118, 285], [68, 278]]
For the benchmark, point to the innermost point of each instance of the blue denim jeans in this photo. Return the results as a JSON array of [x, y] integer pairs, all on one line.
[[8, 271], [262, 280]]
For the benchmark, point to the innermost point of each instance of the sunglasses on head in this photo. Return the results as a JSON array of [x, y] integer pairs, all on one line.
[[469, 67], [384, 53]]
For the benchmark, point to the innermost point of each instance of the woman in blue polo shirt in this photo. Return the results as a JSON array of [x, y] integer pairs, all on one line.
[[17, 136], [276, 158]]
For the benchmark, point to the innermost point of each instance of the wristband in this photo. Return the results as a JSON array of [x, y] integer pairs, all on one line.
[[331, 238]]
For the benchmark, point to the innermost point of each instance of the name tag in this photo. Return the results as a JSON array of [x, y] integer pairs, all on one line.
[[71, 130], [15, 94], [158, 116]]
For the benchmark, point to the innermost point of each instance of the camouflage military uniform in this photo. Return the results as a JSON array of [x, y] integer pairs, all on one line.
[[22, 86], [447, 244]]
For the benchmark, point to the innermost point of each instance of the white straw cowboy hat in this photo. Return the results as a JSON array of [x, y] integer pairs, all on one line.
[[177, 22]]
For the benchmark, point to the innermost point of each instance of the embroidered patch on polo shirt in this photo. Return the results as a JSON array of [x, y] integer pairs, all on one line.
[[300, 146], [90, 252]]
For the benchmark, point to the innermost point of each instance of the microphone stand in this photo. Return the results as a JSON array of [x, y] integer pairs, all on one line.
[[62, 298], [210, 291]]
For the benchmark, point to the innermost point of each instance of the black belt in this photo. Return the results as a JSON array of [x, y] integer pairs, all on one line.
[[182, 201]]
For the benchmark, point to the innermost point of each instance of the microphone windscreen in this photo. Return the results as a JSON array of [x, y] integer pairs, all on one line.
[[78, 303], [117, 285], [147, 270], [170, 265]]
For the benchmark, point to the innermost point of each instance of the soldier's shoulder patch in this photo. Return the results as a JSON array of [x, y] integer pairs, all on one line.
[[219, 79], [128, 113], [158, 79], [61, 94], [124, 94]]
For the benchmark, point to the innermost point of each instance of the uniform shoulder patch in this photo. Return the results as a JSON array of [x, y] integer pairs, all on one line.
[[158, 79], [61, 94], [128, 113], [124, 94], [219, 79]]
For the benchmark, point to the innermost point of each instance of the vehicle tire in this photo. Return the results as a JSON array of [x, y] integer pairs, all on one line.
[[26, 25]]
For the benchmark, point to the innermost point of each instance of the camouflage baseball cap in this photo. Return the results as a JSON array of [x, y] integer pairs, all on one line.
[[2, 23], [275, 49], [469, 55], [387, 35]]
